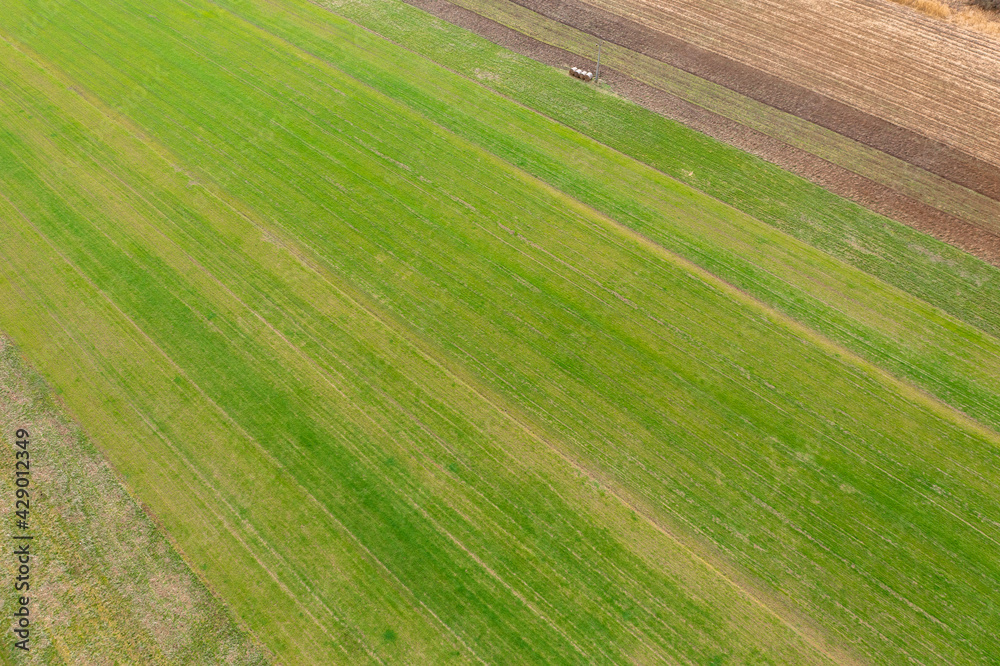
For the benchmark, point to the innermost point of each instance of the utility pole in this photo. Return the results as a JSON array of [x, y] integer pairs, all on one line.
[[597, 75]]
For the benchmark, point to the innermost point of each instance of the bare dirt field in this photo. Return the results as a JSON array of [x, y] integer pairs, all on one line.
[[925, 75]]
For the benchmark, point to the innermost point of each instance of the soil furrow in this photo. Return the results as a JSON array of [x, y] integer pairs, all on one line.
[[922, 151]]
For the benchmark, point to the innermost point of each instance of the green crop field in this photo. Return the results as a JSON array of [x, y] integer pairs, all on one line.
[[962, 286], [414, 372], [114, 590]]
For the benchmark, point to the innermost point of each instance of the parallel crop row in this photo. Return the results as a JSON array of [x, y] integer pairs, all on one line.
[[418, 391]]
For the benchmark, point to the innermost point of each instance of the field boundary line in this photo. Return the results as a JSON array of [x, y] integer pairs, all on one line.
[[332, 9], [865, 190], [979, 174], [185, 459], [97, 366], [790, 323]]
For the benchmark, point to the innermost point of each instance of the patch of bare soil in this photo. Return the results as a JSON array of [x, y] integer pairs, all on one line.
[[935, 77], [872, 195]]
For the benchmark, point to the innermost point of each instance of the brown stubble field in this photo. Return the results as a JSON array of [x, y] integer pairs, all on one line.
[[934, 78]]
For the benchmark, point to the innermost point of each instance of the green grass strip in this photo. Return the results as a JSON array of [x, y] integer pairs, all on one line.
[[948, 278], [909, 337]]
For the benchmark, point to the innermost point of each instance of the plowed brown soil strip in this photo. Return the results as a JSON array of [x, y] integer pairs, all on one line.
[[932, 154], [873, 195], [919, 72], [934, 77]]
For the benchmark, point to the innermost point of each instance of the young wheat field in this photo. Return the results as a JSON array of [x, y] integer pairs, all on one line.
[[411, 371]]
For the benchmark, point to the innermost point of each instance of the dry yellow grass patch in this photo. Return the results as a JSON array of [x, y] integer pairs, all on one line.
[[929, 7], [978, 19], [107, 587], [970, 17]]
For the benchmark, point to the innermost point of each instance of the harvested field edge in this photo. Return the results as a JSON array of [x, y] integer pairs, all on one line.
[[917, 149], [839, 180]]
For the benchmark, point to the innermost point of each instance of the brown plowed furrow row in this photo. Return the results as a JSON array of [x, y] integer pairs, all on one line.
[[926, 152], [842, 50], [851, 65], [795, 45], [917, 71]]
